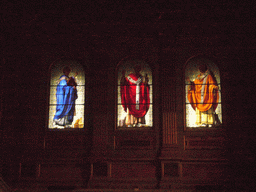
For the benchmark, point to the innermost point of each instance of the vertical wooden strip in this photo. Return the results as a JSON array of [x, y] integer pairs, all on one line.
[[169, 115], [169, 128]]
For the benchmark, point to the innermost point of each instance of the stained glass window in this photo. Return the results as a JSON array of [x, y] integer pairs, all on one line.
[[203, 93], [134, 105], [67, 95]]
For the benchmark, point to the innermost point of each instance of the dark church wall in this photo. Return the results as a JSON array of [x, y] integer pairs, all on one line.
[[91, 157]]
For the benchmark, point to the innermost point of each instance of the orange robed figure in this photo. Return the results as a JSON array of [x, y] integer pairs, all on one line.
[[203, 96], [135, 97]]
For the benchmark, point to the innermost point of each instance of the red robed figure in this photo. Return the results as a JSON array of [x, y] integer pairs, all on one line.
[[135, 93]]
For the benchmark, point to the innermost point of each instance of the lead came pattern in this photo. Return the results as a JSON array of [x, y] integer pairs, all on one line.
[[192, 72], [56, 73], [128, 66]]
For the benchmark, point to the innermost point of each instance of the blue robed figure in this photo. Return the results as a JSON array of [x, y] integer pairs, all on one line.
[[66, 94]]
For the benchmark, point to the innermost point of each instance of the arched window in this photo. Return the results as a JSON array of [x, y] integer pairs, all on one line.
[[134, 99], [67, 95], [203, 93]]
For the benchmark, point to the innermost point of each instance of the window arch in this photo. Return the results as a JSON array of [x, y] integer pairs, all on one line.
[[203, 93], [134, 99], [67, 95]]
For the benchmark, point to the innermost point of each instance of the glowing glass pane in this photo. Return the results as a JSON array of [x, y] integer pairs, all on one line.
[[195, 117], [72, 113], [137, 96]]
